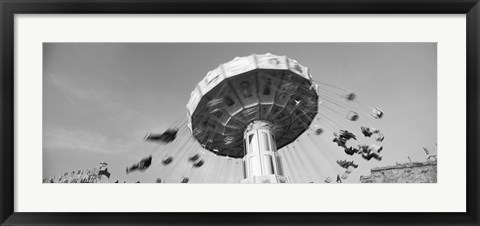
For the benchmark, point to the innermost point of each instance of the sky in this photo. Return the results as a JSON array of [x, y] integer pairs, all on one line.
[[100, 99]]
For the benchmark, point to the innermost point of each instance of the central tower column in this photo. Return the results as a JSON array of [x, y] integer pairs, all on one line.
[[261, 162]]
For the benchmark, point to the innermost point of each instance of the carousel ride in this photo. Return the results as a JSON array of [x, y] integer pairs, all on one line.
[[250, 107]]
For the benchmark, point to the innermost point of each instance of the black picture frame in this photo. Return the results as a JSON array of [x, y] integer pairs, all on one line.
[[11, 7]]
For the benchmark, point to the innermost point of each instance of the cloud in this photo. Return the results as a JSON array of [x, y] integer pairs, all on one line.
[[83, 90], [89, 96], [58, 138]]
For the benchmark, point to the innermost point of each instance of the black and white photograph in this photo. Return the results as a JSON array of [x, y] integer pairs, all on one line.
[[240, 113]]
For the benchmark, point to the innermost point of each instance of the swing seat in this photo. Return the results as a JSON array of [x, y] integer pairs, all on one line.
[[167, 160], [350, 96], [328, 180], [194, 158], [377, 113], [199, 163], [353, 116]]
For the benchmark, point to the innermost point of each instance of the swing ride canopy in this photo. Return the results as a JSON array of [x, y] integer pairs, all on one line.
[[263, 87]]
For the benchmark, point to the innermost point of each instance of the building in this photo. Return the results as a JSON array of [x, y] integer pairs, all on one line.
[[412, 172]]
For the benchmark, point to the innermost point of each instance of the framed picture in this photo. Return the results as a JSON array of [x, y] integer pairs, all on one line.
[[207, 112]]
